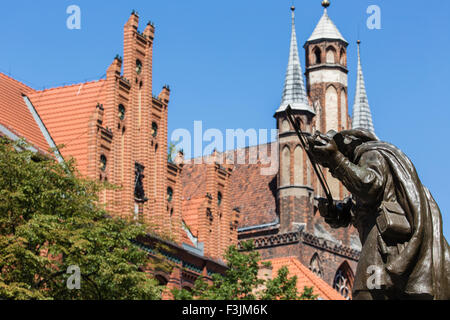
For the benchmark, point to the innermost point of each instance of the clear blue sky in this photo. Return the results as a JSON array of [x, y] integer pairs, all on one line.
[[225, 62]]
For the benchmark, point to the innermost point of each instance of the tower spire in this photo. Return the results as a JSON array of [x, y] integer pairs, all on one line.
[[294, 92], [362, 117]]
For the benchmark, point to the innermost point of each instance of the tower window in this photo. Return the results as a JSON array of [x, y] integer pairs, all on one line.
[[121, 110], [343, 60], [219, 198], [154, 129], [317, 56], [331, 55], [169, 194], [138, 66], [103, 162]]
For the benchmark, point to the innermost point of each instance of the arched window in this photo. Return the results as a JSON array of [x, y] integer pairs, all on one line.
[[285, 126], [138, 66], [169, 194], [103, 162], [315, 265], [343, 280], [343, 110], [331, 55], [331, 107], [298, 166], [285, 167], [154, 129], [343, 60], [317, 56], [121, 111], [162, 280], [219, 198]]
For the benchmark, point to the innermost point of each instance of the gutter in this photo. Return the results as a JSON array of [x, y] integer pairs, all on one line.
[[275, 223]]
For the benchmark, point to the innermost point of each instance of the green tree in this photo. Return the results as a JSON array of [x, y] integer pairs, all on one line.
[[241, 281], [50, 220]]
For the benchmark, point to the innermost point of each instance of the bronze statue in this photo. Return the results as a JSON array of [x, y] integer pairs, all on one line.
[[404, 254]]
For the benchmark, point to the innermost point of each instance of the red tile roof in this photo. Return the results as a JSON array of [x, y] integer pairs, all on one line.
[[305, 278], [66, 112], [16, 116], [190, 213], [251, 191], [193, 179]]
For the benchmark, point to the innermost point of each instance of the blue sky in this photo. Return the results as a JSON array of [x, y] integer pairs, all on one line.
[[225, 62]]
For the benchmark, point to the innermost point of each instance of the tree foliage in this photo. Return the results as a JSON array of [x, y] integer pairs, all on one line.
[[50, 220], [241, 281]]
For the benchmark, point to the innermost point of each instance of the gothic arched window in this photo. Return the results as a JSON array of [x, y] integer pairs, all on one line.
[[298, 166], [317, 56], [316, 266], [343, 110], [138, 66], [285, 126], [343, 280], [103, 161], [331, 55], [285, 178], [169, 194], [121, 111], [154, 130], [343, 60], [219, 198]]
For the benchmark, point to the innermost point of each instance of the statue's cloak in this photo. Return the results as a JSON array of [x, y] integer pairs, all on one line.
[[423, 267]]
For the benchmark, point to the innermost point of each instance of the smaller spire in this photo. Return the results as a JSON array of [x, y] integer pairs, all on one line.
[[362, 117], [294, 93]]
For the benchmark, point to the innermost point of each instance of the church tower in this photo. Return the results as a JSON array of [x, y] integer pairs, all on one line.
[[295, 193], [327, 81]]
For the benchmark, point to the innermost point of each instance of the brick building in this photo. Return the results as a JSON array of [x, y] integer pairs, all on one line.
[[116, 130]]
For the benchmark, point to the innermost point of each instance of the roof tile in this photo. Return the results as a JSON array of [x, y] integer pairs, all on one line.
[[305, 278], [15, 115]]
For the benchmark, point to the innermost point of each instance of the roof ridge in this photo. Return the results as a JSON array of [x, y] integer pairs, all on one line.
[[17, 81], [192, 160], [69, 86]]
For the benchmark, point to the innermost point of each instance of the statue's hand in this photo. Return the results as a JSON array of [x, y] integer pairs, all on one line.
[[323, 148]]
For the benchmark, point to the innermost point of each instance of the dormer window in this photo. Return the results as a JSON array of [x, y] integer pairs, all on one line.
[[121, 111], [138, 66]]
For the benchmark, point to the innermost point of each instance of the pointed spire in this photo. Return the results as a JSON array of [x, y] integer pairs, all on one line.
[[326, 29], [294, 92], [362, 117]]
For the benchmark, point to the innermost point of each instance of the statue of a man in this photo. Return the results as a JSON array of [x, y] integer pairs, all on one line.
[[404, 253]]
